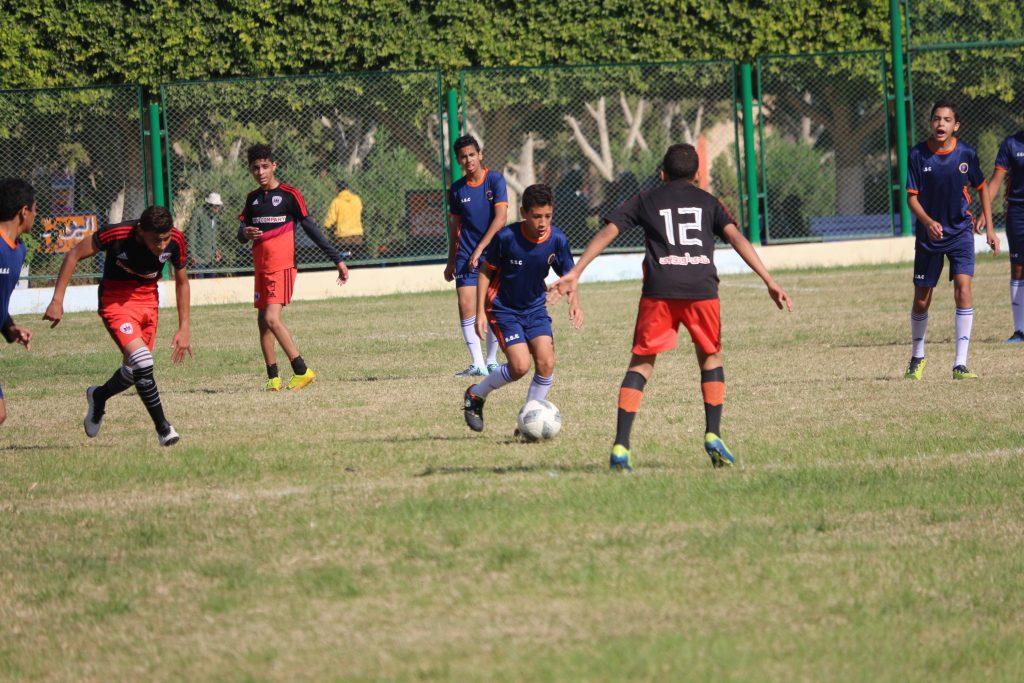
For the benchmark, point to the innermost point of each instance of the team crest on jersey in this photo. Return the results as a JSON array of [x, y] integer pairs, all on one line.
[[126, 328], [276, 201], [489, 194], [551, 258], [963, 167], [164, 256]]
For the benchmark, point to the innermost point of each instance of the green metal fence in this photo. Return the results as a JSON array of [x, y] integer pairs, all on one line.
[[81, 148], [596, 134], [381, 133]]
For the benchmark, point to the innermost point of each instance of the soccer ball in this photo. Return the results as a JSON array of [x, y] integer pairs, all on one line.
[[539, 420]]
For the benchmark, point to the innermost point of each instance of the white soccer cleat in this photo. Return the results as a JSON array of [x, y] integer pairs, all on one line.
[[93, 417], [170, 438]]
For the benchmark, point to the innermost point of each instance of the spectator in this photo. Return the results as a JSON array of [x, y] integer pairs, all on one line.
[[345, 215]]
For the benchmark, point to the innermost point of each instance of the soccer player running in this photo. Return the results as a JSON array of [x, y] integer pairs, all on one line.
[[135, 253], [511, 298], [680, 286], [268, 220], [17, 214], [939, 172], [478, 205], [1010, 162]]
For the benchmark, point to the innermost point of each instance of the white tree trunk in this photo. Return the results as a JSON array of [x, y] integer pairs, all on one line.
[[635, 138], [603, 161]]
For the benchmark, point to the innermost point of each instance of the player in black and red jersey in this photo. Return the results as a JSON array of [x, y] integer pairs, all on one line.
[[680, 222], [136, 252], [268, 220]]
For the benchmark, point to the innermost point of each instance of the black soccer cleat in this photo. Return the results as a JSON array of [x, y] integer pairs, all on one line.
[[473, 410]]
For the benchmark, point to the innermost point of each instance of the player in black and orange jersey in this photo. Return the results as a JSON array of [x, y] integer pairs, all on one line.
[[680, 222], [268, 220], [136, 252]]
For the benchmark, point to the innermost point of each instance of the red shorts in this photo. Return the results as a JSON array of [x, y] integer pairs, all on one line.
[[274, 288], [129, 321], [658, 320]]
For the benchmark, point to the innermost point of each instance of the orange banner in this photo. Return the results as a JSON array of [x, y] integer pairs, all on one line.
[[61, 233]]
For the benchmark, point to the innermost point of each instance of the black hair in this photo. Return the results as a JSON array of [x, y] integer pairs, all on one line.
[[257, 152], [14, 194], [538, 195], [465, 141], [156, 219], [945, 104], [341, 183], [680, 162]]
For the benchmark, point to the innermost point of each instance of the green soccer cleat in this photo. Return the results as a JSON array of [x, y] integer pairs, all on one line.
[[914, 369], [473, 410], [961, 372], [491, 367], [273, 384], [299, 381], [718, 451], [621, 459]]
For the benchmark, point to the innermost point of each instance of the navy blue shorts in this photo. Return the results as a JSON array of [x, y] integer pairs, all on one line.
[[1015, 233], [519, 327], [1, 392], [464, 275], [928, 264]]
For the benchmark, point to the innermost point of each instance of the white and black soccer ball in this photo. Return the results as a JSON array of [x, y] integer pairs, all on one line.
[[539, 420]]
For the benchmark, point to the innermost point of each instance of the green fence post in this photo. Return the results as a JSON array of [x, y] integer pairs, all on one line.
[[156, 158], [900, 101], [453, 130], [749, 155]]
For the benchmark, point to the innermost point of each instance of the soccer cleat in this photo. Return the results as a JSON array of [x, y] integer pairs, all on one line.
[[717, 451], [472, 371], [1016, 338], [491, 367], [961, 372], [620, 459], [299, 381], [473, 410], [915, 368], [273, 384], [170, 437], [94, 415]]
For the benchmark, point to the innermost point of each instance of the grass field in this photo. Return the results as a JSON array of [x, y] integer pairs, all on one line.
[[358, 531]]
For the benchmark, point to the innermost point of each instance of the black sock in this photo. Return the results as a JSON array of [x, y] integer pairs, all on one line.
[[712, 385], [630, 393], [121, 380], [298, 365], [150, 395], [272, 371]]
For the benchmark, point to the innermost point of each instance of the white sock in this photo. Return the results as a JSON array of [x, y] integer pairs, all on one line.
[[492, 347], [964, 322], [539, 387], [472, 341], [1017, 303], [918, 325], [495, 380]]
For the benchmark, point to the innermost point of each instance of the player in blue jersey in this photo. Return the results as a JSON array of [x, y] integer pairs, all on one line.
[[478, 206], [17, 213], [511, 298], [941, 171], [1010, 163]]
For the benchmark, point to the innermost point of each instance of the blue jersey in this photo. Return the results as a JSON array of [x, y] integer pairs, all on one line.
[[520, 266], [12, 256], [474, 205], [1011, 159], [941, 180]]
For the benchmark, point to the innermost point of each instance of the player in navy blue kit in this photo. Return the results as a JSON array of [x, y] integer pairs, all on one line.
[[17, 213], [478, 206], [1010, 163], [511, 298], [941, 170]]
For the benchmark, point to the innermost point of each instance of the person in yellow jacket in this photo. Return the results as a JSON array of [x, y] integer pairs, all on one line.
[[345, 215]]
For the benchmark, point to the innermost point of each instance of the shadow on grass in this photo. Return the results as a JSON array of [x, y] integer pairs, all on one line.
[[592, 468], [34, 447]]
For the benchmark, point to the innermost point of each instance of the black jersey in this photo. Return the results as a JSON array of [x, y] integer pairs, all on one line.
[[680, 222], [129, 264]]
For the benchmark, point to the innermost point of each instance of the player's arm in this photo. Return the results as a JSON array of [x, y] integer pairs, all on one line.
[[316, 234], [454, 227], [497, 223], [82, 250], [933, 226], [745, 249], [575, 310], [483, 282], [569, 282], [182, 341], [995, 182]]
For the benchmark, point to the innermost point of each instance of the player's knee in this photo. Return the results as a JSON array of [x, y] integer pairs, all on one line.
[[517, 368], [545, 367], [140, 359]]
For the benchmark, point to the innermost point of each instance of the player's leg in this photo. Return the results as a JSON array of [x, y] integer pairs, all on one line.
[[508, 327], [466, 298], [702, 319], [927, 269], [542, 348], [961, 271], [138, 356], [1015, 240], [124, 326], [3, 408], [268, 345]]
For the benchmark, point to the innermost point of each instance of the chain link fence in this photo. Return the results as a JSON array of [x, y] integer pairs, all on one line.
[[381, 134], [826, 161], [82, 150], [596, 134]]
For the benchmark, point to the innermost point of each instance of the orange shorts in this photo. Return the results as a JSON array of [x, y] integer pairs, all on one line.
[[129, 321], [274, 288], [658, 320]]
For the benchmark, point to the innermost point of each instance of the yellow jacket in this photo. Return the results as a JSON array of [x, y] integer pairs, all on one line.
[[345, 214]]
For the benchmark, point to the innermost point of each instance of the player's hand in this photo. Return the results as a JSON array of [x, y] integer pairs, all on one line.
[[481, 325], [576, 316], [993, 241], [935, 230], [342, 273], [54, 312], [563, 286], [251, 233], [979, 225], [180, 345], [779, 296], [449, 272], [23, 336], [474, 258]]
